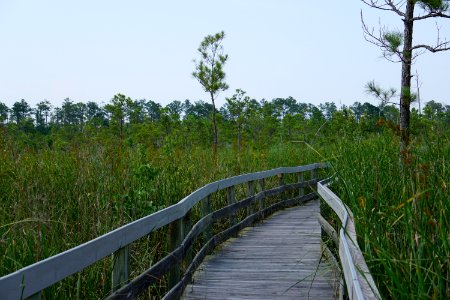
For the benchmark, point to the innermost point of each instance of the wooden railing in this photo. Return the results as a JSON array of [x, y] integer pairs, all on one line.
[[359, 281], [30, 281]]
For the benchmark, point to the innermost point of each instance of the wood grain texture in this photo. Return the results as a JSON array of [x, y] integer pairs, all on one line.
[[277, 259], [120, 270]]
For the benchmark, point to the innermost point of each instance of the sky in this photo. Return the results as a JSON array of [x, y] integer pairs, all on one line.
[[313, 51]]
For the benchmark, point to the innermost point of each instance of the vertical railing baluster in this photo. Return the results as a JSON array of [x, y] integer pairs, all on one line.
[[175, 233], [250, 193], [79, 286], [206, 210], [314, 176], [231, 200], [280, 179], [262, 203], [120, 271], [187, 226], [280, 183], [301, 178]]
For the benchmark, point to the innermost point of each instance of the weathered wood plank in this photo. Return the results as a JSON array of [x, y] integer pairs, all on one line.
[[175, 236], [219, 238], [301, 178], [231, 200], [155, 273], [120, 269], [330, 199], [206, 210], [280, 179], [250, 193], [262, 199], [257, 266], [187, 227]]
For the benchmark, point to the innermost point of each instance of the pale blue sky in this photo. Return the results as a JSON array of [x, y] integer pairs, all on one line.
[[91, 50]]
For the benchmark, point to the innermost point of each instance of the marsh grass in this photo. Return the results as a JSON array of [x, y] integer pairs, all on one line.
[[56, 198], [402, 209]]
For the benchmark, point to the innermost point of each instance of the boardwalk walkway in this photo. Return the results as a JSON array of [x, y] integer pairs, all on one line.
[[281, 258]]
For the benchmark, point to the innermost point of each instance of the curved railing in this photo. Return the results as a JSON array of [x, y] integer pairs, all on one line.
[[30, 281], [359, 281]]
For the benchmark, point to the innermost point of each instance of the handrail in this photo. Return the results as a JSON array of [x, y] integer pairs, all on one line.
[[360, 284], [153, 274], [32, 279]]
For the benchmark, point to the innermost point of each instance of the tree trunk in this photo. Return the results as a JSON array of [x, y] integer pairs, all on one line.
[[214, 129], [405, 94]]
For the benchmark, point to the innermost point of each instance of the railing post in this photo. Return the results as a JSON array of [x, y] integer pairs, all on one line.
[[79, 286], [301, 178], [175, 233], [187, 226], [280, 183], [120, 269], [262, 203], [231, 200], [206, 210], [250, 193], [280, 179], [314, 176]]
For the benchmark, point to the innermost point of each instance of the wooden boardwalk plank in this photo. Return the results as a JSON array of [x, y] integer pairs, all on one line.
[[279, 258]]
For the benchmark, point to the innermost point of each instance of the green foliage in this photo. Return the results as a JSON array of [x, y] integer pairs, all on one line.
[[390, 42], [381, 94], [394, 39], [74, 182], [209, 70], [4, 112], [434, 5], [408, 95], [20, 111], [400, 210], [119, 109], [42, 115]]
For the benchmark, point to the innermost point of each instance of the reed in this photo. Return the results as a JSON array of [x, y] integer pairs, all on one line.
[[402, 208], [54, 198]]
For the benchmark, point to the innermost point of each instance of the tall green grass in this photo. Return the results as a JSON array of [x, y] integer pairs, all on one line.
[[53, 199], [402, 211]]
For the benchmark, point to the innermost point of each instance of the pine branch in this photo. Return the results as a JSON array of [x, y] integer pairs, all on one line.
[[379, 41], [388, 5], [441, 47], [431, 15]]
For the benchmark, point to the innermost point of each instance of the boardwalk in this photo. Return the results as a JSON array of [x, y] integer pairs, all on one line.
[[280, 258], [277, 259]]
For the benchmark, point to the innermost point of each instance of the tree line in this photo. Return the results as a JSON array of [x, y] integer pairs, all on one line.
[[241, 120]]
